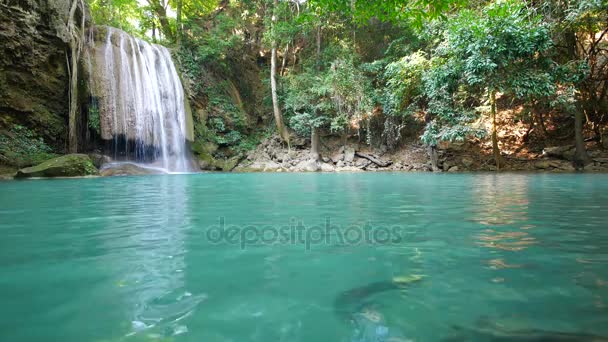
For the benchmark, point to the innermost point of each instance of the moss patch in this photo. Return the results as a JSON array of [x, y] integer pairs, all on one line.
[[71, 165]]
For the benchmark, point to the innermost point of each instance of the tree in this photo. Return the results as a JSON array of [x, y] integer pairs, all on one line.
[[500, 50], [278, 117], [159, 7]]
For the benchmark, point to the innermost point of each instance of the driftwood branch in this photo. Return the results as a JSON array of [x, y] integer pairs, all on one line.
[[373, 159]]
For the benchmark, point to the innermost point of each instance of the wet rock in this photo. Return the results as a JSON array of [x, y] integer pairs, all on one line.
[[127, 169], [33, 72], [453, 169], [99, 160], [206, 165], [71, 165]]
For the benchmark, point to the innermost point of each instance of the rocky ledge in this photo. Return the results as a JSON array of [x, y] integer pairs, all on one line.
[[71, 165], [272, 156]]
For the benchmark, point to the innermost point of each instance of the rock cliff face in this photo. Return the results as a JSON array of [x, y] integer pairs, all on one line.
[[33, 72]]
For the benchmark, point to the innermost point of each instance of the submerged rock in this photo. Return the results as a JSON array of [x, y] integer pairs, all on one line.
[[128, 169], [71, 165]]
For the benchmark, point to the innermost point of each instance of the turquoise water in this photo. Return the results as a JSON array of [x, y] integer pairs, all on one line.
[[446, 257]]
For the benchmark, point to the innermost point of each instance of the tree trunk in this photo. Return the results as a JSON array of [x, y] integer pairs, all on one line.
[[278, 117], [284, 63], [495, 148], [161, 13], [75, 49], [432, 150], [314, 144], [314, 131], [580, 155], [178, 23]]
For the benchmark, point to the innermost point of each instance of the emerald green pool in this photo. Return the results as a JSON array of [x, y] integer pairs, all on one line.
[[459, 257]]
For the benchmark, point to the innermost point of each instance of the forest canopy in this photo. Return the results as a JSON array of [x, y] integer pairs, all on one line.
[[336, 67]]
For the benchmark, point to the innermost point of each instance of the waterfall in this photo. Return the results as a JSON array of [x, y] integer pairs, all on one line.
[[140, 101]]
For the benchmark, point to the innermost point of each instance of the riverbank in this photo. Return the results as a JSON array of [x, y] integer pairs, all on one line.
[[273, 156]]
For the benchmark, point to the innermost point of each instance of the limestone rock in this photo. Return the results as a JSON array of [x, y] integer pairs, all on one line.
[[127, 169], [453, 169], [561, 152], [325, 167], [99, 160], [33, 74], [349, 154], [542, 164], [310, 165], [467, 162], [71, 165]]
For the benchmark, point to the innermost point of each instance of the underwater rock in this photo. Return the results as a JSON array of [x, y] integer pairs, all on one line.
[[128, 169], [71, 165]]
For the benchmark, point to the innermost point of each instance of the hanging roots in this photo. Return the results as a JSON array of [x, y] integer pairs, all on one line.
[[76, 35]]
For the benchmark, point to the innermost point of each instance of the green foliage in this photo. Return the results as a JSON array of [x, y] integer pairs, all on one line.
[[94, 119], [21, 147], [123, 14], [403, 90], [388, 10], [500, 48], [331, 98]]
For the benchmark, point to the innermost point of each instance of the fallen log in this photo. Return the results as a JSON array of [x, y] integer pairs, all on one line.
[[373, 159]]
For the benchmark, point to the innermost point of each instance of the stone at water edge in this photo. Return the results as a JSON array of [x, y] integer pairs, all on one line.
[[71, 165]]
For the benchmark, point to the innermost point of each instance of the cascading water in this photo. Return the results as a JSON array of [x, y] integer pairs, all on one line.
[[140, 101]]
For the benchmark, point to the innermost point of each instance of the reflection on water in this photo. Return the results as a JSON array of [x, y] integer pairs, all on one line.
[[153, 267], [508, 241], [500, 201]]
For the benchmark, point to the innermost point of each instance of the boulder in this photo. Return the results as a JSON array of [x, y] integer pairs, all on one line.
[[309, 165], [271, 167], [99, 160], [127, 169], [453, 169], [71, 165], [325, 167], [467, 162], [338, 156], [360, 162], [561, 152], [349, 154], [543, 164]]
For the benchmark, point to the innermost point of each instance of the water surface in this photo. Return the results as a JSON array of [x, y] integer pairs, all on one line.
[[138, 258]]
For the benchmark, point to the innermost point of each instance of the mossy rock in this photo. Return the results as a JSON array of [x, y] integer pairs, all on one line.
[[207, 163], [71, 165]]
